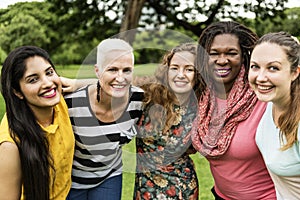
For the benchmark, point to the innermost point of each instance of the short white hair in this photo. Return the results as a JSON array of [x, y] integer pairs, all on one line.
[[112, 44]]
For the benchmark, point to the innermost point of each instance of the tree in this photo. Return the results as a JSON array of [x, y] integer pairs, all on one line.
[[28, 27], [190, 15], [131, 19]]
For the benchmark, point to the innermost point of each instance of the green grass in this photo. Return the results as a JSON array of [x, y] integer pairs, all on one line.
[[201, 164]]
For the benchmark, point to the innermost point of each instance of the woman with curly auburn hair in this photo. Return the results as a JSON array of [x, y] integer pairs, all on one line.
[[274, 77], [164, 169]]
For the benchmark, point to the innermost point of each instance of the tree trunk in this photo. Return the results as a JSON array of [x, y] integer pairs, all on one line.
[[131, 20]]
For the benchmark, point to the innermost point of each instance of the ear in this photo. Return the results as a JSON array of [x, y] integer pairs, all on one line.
[[18, 94], [296, 73], [97, 71]]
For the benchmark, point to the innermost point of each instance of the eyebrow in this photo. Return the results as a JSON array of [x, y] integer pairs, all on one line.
[[31, 75], [269, 63]]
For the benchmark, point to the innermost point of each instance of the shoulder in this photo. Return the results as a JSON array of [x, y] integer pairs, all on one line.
[[137, 94], [9, 156], [136, 89], [4, 131]]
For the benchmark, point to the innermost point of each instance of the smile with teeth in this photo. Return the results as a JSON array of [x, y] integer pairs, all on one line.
[[222, 72], [118, 86], [49, 93], [180, 83], [261, 87]]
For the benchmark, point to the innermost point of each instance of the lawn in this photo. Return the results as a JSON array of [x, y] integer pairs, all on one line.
[[202, 167]]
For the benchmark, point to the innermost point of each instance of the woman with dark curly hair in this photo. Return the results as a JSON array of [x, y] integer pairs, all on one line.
[[229, 113]]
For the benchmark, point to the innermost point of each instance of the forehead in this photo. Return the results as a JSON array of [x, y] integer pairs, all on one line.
[[261, 52], [119, 58], [35, 64], [225, 41], [183, 57]]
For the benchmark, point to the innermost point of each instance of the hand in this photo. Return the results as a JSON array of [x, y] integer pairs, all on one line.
[[68, 85]]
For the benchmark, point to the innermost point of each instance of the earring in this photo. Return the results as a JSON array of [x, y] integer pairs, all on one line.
[[98, 91]]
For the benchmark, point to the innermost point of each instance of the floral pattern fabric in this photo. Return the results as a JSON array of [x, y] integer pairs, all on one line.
[[164, 169]]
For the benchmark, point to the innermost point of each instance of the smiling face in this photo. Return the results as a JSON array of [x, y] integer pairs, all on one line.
[[116, 75], [40, 85], [181, 73], [270, 73], [225, 60]]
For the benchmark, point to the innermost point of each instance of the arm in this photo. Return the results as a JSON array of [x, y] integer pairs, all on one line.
[[10, 171], [70, 85]]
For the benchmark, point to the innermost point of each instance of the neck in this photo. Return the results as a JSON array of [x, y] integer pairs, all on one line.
[[222, 91], [183, 98], [108, 103], [45, 116], [277, 111]]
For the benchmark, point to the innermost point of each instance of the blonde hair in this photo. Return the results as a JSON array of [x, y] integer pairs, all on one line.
[[111, 45]]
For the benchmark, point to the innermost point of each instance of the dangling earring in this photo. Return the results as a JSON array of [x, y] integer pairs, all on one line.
[[98, 91]]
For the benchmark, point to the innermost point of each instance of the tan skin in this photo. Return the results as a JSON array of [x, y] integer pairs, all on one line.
[[10, 172]]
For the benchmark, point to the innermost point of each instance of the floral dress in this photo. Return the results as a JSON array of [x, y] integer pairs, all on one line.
[[164, 169]]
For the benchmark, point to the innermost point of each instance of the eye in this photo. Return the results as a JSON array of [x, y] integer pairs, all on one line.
[[173, 68], [190, 69], [254, 67], [127, 70], [273, 68], [112, 69], [213, 54], [232, 53], [32, 79], [50, 72]]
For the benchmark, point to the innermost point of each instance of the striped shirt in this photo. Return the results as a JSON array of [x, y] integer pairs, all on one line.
[[98, 152]]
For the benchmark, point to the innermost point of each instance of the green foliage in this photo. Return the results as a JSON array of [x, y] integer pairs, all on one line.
[[28, 27], [2, 55]]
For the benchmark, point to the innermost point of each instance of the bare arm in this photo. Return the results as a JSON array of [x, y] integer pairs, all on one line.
[[10, 172], [70, 85]]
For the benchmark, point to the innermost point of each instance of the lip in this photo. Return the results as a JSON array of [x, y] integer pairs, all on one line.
[[49, 93], [118, 86], [264, 88], [181, 83], [222, 72]]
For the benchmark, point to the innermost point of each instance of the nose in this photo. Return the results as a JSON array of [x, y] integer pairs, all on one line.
[[261, 76], [47, 82], [120, 76], [180, 73], [222, 59]]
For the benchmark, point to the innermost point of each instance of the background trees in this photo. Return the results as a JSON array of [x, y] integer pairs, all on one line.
[[70, 29]]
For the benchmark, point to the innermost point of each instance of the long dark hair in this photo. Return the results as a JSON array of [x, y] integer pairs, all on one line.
[[246, 38], [24, 129], [289, 121]]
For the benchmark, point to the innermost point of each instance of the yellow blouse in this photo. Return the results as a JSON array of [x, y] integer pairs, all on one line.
[[61, 143]]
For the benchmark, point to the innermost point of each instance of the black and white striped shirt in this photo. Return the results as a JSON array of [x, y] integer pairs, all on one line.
[[98, 153]]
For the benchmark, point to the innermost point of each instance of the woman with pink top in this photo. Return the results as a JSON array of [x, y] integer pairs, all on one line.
[[229, 113]]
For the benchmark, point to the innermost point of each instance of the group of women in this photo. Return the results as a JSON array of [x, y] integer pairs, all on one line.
[[234, 98]]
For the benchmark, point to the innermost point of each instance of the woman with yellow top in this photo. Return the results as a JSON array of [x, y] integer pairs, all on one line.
[[36, 138]]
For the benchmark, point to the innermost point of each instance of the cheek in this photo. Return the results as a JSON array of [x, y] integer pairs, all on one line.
[[129, 77]]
